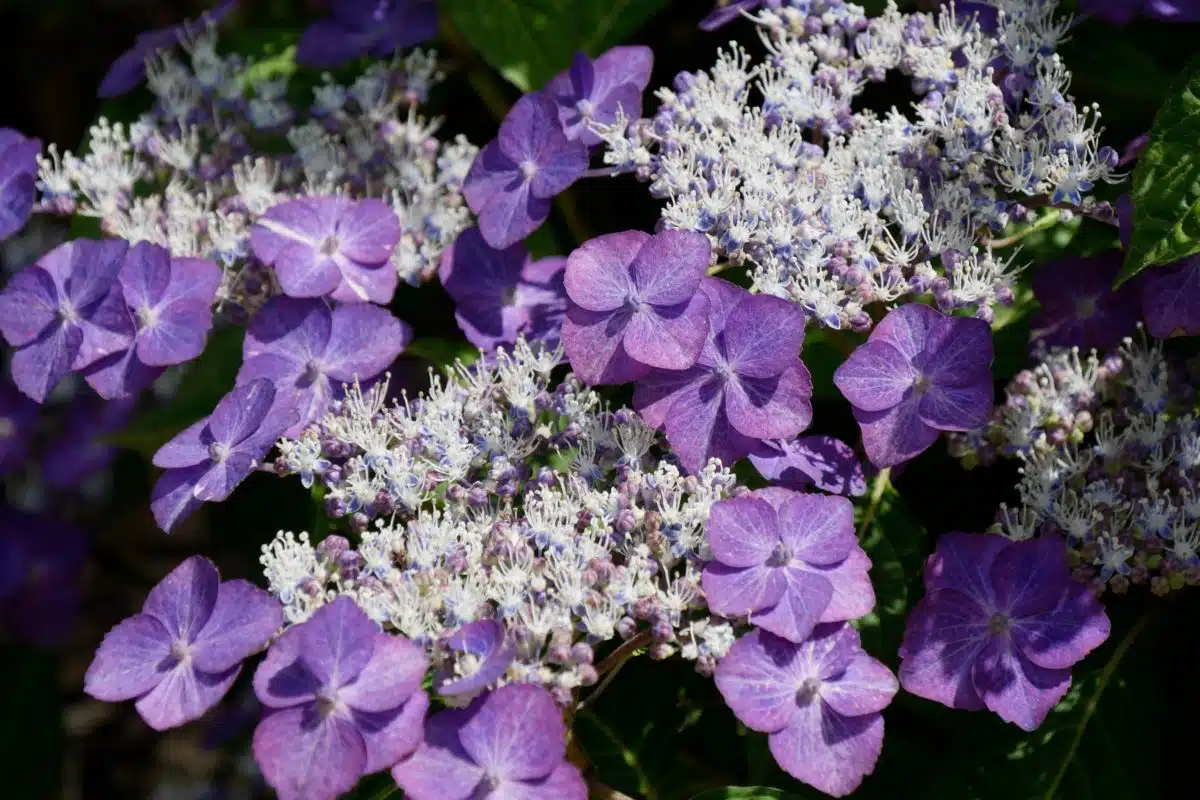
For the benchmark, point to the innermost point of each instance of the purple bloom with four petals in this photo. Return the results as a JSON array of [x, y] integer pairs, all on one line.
[[634, 304], [509, 743], [516, 175], [1080, 308], [1000, 626], [823, 461], [18, 176], [375, 28], [330, 246], [1171, 299], [500, 295], [168, 302], [592, 91], [786, 560], [747, 384], [41, 577], [63, 313], [819, 701], [310, 351], [484, 653], [130, 67], [918, 374], [180, 655], [345, 701], [207, 461]]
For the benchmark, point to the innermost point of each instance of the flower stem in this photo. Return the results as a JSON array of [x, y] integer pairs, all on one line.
[[880, 485], [610, 666]]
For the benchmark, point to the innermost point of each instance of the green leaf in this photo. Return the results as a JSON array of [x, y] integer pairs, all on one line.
[[1166, 182], [31, 727], [442, 352], [378, 786], [896, 543], [747, 793], [530, 41], [205, 381]]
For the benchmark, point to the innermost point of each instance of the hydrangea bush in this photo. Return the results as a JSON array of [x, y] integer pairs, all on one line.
[[657, 512]]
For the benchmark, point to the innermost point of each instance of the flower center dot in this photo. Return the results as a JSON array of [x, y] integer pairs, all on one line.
[[585, 108], [1086, 307], [529, 169], [808, 690], [330, 245], [999, 623], [218, 452]]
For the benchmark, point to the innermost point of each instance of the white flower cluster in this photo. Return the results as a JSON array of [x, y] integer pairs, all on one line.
[[205, 160], [836, 208], [1110, 454], [492, 496]]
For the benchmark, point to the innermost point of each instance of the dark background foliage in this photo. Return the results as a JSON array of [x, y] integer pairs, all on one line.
[[661, 732]]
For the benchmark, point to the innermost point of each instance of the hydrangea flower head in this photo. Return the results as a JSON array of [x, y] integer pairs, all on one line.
[[920, 372], [819, 700], [508, 743], [84, 449], [309, 351], [130, 67], [484, 653], [345, 700], [1079, 306], [502, 294], [169, 303], [65, 312], [787, 560], [375, 28], [330, 246], [592, 91], [634, 304], [823, 461], [516, 176], [207, 461], [182, 652], [1000, 626], [18, 176], [747, 384], [1171, 299], [41, 577]]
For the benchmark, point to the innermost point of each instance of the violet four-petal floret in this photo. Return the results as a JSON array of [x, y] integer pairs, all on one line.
[[1079, 307], [1171, 299], [786, 560], [482, 652], [592, 91], [819, 701], [747, 384], [18, 179], [822, 461], [344, 701], [516, 175], [330, 246], [180, 655], [509, 743], [168, 302], [207, 460], [375, 28], [1000, 626], [635, 304], [63, 313], [500, 295], [919, 373], [311, 351]]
